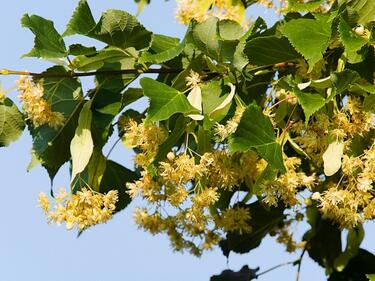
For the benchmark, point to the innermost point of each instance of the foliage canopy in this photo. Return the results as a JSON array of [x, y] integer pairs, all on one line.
[[249, 129]]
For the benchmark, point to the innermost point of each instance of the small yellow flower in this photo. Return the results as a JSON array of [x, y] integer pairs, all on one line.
[[2, 95], [43, 202]]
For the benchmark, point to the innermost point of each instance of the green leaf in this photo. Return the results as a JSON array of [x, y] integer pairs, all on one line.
[[81, 146], [270, 50], [354, 240], [207, 39], [52, 147], [163, 48], [323, 83], [216, 99], [214, 93], [204, 141], [262, 222], [48, 43], [131, 95], [222, 109], [368, 88], [371, 277], [162, 56], [115, 177], [310, 6], [310, 103], [81, 21], [78, 49], [358, 268], [94, 62], [116, 28], [121, 29], [255, 130], [229, 30], [343, 80], [364, 9], [116, 83], [161, 43], [351, 41], [105, 106], [11, 122], [310, 37], [240, 60], [95, 169], [164, 100]]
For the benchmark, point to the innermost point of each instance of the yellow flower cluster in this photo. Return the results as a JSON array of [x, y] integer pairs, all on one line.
[[38, 110], [350, 121], [201, 10], [314, 139], [146, 137], [287, 185], [348, 198], [83, 209], [351, 201], [182, 190], [354, 120], [235, 220]]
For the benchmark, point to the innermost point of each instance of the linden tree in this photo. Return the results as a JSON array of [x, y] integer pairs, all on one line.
[[249, 131]]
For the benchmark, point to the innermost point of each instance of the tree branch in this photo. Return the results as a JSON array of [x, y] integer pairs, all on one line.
[[90, 73], [300, 263], [277, 266]]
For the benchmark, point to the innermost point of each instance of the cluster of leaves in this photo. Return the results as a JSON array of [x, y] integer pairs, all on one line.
[[322, 58]]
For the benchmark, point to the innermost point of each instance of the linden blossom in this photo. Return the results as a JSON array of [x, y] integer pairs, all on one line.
[[38, 110], [84, 209], [198, 10]]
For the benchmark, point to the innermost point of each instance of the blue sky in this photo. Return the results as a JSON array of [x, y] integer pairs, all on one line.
[[32, 250]]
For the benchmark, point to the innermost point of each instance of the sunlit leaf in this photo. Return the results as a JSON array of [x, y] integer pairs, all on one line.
[[332, 158], [11, 122], [164, 100], [48, 43], [82, 145]]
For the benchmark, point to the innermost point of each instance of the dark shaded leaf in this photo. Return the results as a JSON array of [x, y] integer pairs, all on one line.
[[357, 269], [52, 147], [244, 274], [270, 50], [262, 222], [324, 240], [115, 178]]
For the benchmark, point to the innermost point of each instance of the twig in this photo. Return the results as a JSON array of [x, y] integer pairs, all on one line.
[[90, 73], [113, 147], [277, 266], [300, 263]]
